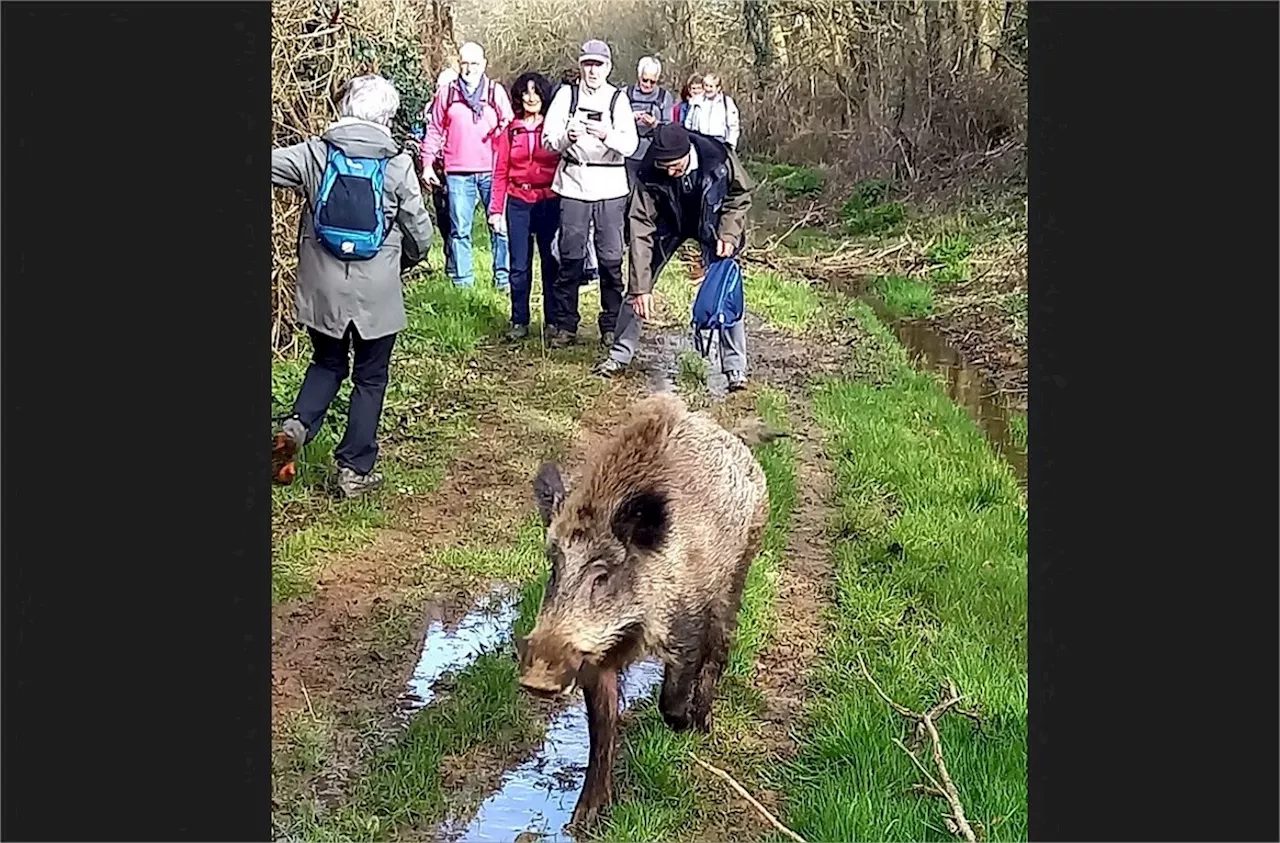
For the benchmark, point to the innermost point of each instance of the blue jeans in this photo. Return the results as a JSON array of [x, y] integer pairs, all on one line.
[[525, 222], [464, 190]]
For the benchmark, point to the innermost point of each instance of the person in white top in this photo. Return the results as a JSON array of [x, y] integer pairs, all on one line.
[[714, 114], [592, 127]]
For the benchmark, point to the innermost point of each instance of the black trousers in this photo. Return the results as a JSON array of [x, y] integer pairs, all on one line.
[[576, 218], [329, 367]]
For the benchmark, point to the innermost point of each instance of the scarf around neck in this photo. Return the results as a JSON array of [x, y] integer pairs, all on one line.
[[473, 97]]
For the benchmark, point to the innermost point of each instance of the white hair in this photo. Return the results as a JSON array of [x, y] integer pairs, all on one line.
[[473, 47], [651, 64], [370, 98]]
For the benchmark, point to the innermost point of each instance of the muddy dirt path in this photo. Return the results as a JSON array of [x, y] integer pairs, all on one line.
[[534, 797]]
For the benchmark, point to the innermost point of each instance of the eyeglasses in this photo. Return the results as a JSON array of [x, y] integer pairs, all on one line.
[[646, 81]]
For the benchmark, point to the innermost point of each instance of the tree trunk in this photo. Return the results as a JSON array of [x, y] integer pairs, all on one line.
[[991, 16]]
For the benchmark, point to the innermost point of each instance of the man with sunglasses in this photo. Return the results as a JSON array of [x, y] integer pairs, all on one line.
[[690, 187]]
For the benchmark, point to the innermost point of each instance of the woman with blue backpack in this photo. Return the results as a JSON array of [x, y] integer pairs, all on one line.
[[363, 222]]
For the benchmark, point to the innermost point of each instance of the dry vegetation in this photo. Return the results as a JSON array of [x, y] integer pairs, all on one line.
[[317, 45], [917, 88], [929, 95]]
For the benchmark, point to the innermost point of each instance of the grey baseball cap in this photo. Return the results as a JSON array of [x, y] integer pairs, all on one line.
[[595, 50]]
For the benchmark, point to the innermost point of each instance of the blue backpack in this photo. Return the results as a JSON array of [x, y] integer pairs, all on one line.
[[720, 303], [349, 216]]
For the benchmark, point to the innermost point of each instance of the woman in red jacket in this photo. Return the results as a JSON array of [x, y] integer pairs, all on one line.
[[522, 204]]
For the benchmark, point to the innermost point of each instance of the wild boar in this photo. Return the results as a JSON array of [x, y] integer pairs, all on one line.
[[649, 551]]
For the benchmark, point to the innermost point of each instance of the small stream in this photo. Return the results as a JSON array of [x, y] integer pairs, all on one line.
[[537, 798]]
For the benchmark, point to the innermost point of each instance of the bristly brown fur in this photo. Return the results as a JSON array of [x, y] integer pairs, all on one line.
[[650, 550]]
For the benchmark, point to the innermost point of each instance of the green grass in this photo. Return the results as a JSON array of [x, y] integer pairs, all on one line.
[[425, 413], [904, 297], [930, 550], [1018, 429], [789, 305], [794, 180], [868, 213], [402, 786], [655, 780], [949, 257]]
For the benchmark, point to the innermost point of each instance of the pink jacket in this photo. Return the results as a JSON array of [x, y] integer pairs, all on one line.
[[467, 143]]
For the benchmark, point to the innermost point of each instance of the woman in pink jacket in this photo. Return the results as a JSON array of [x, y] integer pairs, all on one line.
[[465, 118]]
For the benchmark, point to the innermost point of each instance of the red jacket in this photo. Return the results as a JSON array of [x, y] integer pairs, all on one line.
[[522, 167]]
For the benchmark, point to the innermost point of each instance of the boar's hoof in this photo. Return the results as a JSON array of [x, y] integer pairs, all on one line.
[[678, 719], [703, 720], [588, 812]]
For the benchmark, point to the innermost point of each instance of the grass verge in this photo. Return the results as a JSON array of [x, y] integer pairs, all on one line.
[[401, 789], [658, 797], [930, 550], [428, 408]]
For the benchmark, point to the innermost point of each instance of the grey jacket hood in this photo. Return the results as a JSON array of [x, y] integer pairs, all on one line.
[[361, 139]]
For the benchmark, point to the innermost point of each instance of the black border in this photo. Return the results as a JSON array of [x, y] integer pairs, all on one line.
[[1152, 421], [136, 532]]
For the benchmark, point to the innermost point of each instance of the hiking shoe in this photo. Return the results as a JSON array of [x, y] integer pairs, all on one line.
[[606, 340], [562, 339], [284, 449], [517, 333], [607, 368], [352, 484], [737, 380]]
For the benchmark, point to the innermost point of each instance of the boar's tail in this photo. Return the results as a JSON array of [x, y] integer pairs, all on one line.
[[755, 431]]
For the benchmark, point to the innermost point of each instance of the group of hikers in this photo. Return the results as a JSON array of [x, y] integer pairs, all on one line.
[[581, 171]]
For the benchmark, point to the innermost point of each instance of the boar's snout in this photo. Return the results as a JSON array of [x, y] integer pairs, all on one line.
[[543, 672]]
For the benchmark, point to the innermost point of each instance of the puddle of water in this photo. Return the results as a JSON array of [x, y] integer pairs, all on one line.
[[537, 798], [966, 386], [659, 356], [444, 650]]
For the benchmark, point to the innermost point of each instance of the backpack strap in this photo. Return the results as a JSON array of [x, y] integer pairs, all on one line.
[[613, 103], [573, 98]]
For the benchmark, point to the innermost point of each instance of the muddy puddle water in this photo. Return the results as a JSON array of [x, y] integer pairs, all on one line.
[[973, 392], [450, 648], [659, 356], [536, 799]]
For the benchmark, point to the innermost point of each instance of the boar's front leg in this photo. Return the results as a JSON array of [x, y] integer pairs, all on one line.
[[600, 689]]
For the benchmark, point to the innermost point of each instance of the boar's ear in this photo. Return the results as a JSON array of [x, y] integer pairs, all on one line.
[[642, 520], [548, 490]]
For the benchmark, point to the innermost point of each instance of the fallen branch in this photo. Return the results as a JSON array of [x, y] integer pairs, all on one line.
[[925, 726], [775, 242], [747, 796]]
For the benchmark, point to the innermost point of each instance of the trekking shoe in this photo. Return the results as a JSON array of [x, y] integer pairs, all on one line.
[[737, 380], [606, 340], [351, 484], [517, 332], [607, 368], [562, 339], [284, 449]]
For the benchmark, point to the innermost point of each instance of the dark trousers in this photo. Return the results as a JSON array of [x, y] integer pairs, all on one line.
[[444, 224], [528, 223], [576, 218], [358, 449]]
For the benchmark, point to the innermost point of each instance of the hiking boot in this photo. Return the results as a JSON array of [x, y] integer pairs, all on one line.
[[607, 368], [352, 484], [517, 332], [562, 339], [737, 380], [606, 340], [284, 449]]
